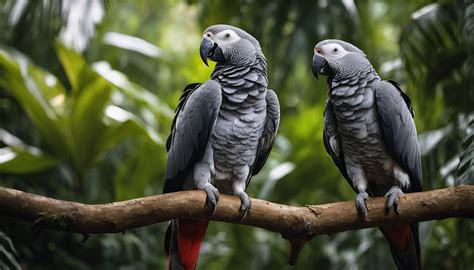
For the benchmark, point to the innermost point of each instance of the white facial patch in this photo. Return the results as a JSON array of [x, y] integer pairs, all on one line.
[[331, 50], [227, 36]]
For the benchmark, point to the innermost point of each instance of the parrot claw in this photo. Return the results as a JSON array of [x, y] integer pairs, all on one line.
[[212, 196], [245, 205], [393, 196], [361, 203]]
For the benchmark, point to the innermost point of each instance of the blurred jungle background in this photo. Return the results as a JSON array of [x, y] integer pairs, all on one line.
[[88, 89]]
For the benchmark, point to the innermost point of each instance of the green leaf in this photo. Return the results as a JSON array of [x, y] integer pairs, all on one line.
[[86, 120], [141, 165], [73, 63], [20, 158], [137, 96], [124, 124], [25, 82], [24, 161]]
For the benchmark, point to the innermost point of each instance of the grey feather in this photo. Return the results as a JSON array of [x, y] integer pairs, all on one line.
[[194, 122], [332, 142], [399, 129], [269, 132]]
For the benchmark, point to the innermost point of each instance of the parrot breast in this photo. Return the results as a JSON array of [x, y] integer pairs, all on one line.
[[240, 123], [361, 134]]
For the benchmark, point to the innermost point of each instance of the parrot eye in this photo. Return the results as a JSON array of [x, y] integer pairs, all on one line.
[[208, 35], [334, 50], [228, 36]]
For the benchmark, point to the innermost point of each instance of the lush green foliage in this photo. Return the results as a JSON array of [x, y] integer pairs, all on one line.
[[82, 126]]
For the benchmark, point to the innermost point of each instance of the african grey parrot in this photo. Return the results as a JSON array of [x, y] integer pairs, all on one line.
[[370, 134], [221, 135]]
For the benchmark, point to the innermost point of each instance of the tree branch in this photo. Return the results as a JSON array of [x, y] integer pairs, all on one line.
[[298, 224]]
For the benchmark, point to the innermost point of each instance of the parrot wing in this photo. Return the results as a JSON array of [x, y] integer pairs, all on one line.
[[396, 118], [332, 142], [269, 132], [193, 123]]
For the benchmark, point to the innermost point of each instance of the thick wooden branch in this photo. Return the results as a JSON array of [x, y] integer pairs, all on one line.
[[291, 221], [299, 224]]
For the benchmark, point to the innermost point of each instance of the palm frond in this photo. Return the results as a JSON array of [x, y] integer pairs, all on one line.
[[431, 45], [465, 170]]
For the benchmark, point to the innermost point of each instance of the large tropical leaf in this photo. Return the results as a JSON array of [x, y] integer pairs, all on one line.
[[135, 97], [73, 64], [80, 125], [465, 170], [434, 56], [36, 91]]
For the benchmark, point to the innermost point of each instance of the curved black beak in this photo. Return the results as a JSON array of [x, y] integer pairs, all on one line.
[[320, 66], [207, 49]]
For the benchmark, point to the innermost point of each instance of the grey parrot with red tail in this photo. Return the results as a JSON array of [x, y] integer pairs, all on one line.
[[370, 134], [221, 135]]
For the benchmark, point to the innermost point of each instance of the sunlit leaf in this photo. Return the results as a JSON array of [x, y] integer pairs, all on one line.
[[132, 43], [24, 161], [137, 95], [19, 158], [86, 125], [73, 63], [125, 124]]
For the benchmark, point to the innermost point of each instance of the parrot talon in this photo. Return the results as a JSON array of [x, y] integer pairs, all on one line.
[[393, 196], [245, 205], [361, 203], [212, 196]]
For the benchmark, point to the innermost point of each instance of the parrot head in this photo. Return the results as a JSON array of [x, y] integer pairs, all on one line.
[[228, 44], [334, 57]]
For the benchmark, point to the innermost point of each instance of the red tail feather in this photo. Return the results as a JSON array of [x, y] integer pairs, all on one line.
[[404, 245], [191, 232], [398, 235]]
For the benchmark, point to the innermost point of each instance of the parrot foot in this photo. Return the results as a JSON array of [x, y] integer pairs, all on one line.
[[393, 196], [212, 196], [361, 203], [245, 203]]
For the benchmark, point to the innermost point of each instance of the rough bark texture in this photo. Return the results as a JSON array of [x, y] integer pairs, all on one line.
[[298, 224], [291, 221]]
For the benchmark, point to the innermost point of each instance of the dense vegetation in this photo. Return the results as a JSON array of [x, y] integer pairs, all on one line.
[[88, 88]]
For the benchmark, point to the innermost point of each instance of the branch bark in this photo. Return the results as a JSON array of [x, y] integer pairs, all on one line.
[[298, 224]]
